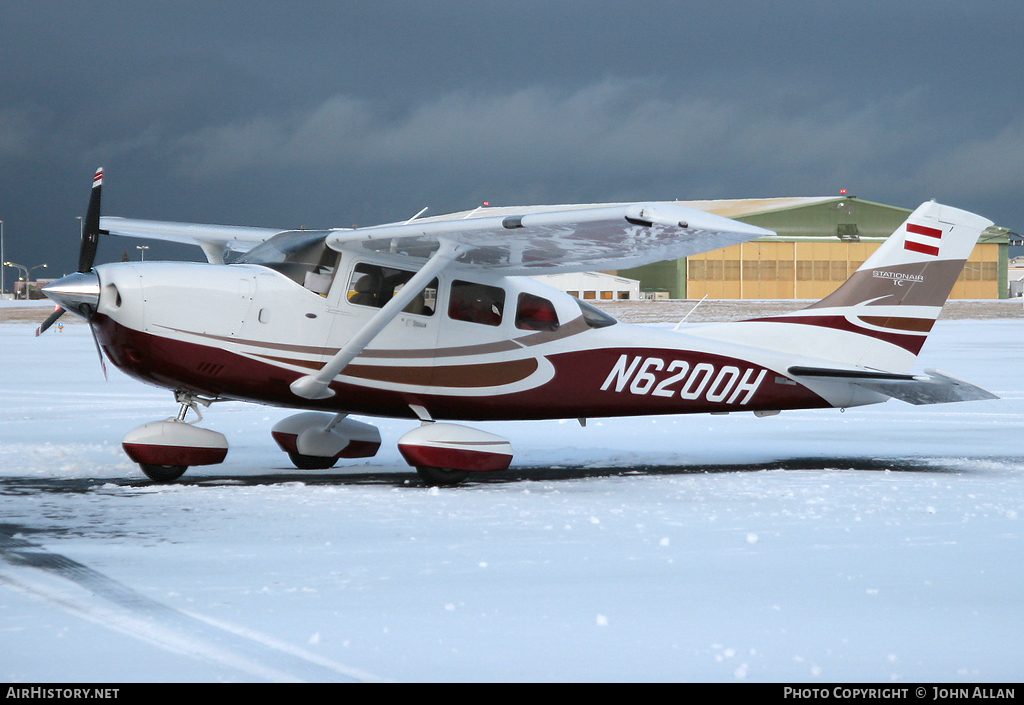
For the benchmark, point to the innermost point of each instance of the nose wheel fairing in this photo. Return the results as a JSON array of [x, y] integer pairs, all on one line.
[[175, 443]]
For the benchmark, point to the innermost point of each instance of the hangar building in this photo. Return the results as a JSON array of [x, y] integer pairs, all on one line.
[[821, 241]]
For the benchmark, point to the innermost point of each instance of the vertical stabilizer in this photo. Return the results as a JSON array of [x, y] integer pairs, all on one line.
[[880, 317], [916, 267], [889, 305]]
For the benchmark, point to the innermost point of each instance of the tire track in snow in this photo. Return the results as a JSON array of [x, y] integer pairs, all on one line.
[[31, 569]]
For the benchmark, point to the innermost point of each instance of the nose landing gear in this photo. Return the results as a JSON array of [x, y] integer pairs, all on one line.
[[165, 449]]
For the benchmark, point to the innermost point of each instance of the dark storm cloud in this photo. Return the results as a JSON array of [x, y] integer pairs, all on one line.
[[320, 114]]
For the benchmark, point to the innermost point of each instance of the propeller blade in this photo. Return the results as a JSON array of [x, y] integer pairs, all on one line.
[[50, 320], [99, 351], [91, 226]]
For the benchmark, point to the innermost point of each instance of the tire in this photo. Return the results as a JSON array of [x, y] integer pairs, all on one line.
[[441, 477], [311, 462], [163, 473]]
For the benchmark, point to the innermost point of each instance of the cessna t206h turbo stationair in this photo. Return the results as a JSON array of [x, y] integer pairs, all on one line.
[[434, 319]]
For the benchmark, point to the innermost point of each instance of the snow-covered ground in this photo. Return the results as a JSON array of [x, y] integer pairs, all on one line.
[[883, 543]]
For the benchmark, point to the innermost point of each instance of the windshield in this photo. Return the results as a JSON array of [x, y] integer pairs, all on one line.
[[300, 255], [290, 246]]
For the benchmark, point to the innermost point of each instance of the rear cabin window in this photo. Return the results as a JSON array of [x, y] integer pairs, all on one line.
[[535, 313], [476, 303], [373, 285]]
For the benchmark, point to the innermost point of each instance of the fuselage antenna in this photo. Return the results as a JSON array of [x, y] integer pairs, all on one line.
[[689, 312]]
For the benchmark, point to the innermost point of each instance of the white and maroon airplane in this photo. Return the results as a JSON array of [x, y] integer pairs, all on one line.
[[434, 319]]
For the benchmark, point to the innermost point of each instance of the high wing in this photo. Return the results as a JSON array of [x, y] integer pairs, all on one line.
[[551, 239], [215, 240], [507, 241]]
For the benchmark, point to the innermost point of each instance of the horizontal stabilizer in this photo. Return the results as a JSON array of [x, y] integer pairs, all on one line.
[[848, 374], [936, 388]]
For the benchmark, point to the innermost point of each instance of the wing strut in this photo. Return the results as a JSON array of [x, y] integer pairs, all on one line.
[[317, 385]]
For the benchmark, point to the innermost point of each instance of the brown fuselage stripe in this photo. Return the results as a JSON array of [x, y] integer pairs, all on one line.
[[494, 374], [916, 325]]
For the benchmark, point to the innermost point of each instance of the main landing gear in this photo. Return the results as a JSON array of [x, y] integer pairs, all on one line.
[[316, 441], [441, 477], [445, 453]]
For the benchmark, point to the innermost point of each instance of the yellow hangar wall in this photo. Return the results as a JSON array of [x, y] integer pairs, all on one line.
[[812, 270], [820, 242]]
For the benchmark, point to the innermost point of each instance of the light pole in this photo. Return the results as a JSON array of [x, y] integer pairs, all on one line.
[[27, 271], [142, 249]]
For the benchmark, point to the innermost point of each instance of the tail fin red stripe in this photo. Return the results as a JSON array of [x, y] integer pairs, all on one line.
[[918, 247], [922, 230]]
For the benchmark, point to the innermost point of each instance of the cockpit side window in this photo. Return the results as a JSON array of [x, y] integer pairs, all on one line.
[[595, 317], [535, 313], [476, 303], [373, 285]]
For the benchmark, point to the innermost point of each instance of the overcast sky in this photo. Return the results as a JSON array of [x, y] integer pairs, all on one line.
[[322, 114]]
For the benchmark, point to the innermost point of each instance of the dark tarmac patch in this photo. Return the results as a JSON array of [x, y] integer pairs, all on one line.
[[14, 486]]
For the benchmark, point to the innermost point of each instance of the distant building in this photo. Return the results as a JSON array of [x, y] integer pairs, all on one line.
[[1015, 275], [600, 286], [821, 241], [34, 288]]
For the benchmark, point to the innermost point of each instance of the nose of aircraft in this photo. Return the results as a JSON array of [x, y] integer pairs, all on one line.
[[78, 293]]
